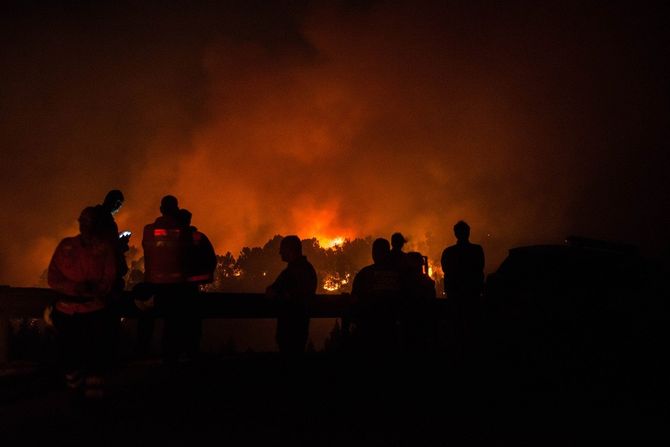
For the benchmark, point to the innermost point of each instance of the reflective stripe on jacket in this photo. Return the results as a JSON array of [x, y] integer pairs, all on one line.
[[165, 246], [82, 270]]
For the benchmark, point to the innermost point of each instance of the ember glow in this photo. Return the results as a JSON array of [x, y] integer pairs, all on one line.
[[530, 122], [332, 243], [435, 269], [333, 283]]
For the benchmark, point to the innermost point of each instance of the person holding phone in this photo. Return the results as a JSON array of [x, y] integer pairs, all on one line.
[[106, 226]]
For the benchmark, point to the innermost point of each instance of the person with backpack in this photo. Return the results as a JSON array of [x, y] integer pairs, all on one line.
[[167, 243]]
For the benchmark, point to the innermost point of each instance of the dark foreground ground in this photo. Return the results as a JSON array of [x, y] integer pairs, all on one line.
[[337, 401]]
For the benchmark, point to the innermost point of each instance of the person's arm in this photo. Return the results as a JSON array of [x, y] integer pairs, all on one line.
[[113, 230], [277, 288]]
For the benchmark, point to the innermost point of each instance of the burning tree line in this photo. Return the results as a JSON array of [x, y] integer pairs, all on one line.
[[256, 267]]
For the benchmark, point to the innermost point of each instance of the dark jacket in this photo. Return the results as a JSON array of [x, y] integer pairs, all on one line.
[[201, 262], [296, 284], [463, 267]]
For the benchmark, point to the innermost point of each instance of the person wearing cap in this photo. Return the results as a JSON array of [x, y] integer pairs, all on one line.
[[108, 208], [83, 270]]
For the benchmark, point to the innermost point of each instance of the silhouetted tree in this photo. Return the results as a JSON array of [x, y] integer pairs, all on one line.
[[259, 266], [225, 275]]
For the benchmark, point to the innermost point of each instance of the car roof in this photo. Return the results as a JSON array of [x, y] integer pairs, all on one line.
[[576, 245], [571, 262]]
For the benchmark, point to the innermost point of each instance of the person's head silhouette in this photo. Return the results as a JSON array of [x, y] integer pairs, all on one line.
[[415, 262], [113, 201], [290, 248], [398, 241], [169, 206], [462, 231], [380, 250], [184, 217]]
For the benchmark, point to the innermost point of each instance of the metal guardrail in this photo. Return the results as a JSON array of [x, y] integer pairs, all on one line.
[[29, 302]]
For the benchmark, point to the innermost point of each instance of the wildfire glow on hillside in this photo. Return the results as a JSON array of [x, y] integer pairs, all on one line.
[[331, 243], [335, 121]]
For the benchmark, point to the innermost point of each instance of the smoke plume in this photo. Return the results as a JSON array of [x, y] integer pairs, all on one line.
[[528, 122]]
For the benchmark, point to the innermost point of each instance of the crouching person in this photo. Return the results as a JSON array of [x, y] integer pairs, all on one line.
[[83, 269]]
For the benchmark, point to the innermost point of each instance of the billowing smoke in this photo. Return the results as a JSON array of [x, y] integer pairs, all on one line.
[[528, 123]]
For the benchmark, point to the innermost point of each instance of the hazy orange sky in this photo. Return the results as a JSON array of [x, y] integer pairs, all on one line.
[[336, 119]]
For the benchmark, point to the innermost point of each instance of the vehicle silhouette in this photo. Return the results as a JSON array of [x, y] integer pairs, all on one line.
[[563, 306]]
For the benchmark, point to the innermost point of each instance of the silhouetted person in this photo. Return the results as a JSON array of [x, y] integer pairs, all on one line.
[[107, 228], [200, 264], [84, 268], [417, 322], [166, 244], [398, 257], [294, 289], [463, 267], [376, 291]]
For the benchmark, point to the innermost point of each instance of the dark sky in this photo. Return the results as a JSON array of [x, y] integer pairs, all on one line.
[[349, 119]]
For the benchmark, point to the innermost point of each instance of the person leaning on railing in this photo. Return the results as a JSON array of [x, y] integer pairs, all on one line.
[[83, 269]]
